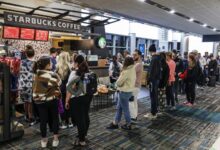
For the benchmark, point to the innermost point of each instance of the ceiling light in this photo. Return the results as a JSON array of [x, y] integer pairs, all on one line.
[[63, 3], [172, 11], [214, 29], [191, 19], [141, 0], [204, 25]]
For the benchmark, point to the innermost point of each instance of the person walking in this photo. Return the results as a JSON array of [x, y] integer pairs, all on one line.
[[169, 88], [125, 84], [133, 104], [45, 94]]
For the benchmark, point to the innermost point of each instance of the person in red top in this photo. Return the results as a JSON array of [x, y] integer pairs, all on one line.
[[169, 88]]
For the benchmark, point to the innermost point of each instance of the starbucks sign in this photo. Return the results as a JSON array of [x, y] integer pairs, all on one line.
[[101, 43]]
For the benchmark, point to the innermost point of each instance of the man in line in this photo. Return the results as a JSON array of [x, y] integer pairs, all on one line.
[[133, 105], [154, 78], [53, 55]]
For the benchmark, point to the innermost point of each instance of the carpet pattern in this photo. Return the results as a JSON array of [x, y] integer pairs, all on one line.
[[195, 128]]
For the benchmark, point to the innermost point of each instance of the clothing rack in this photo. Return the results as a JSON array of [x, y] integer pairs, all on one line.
[[7, 125]]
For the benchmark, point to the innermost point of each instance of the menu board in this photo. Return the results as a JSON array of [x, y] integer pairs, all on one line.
[[27, 34], [41, 35], [11, 32]]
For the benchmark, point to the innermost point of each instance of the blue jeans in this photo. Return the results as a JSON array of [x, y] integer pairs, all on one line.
[[123, 106], [154, 96]]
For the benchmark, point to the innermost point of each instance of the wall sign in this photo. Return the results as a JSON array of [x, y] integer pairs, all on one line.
[[40, 23], [41, 35], [11, 32], [101, 42], [27, 34]]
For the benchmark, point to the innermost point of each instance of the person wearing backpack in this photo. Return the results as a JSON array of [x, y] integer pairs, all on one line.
[[114, 69], [79, 97], [45, 94], [125, 85]]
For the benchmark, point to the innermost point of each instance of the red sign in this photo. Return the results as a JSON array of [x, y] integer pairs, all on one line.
[[11, 32], [27, 34], [41, 35]]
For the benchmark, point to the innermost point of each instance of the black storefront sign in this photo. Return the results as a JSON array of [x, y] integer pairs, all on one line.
[[20, 20]]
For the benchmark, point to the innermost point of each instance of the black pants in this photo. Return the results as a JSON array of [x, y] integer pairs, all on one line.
[[170, 95], [176, 89], [190, 92], [79, 108], [48, 112], [66, 114], [154, 96]]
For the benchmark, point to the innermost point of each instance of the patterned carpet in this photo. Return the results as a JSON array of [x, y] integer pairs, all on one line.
[[195, 128]]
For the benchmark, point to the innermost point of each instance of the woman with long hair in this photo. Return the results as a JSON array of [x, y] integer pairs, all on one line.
[[77, 100], [114, 69], [63, 69], [189, 77], [125, 85], [45, 94]]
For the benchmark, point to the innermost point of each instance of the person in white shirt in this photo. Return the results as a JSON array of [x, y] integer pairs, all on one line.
[[202, 61]]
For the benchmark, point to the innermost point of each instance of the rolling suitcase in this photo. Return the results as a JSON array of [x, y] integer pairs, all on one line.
[[212, 81]]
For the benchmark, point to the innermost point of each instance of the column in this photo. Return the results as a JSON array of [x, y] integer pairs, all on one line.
[[114, 45], [132, 42]]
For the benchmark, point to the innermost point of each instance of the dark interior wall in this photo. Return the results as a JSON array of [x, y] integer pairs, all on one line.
[[103, 53], [211, 38]]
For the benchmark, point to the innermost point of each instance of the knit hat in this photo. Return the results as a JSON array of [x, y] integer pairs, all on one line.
[[152, 48]]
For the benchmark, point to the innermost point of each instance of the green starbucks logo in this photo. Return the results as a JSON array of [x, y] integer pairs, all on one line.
[[102, 42]]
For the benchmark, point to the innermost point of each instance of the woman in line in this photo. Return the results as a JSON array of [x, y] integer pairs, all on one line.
[[189, 77], [63, 70], [125, 84], [45, 94], [78, 101], [25, 83], [171, 80]]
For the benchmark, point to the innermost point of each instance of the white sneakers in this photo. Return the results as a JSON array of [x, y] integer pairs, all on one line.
[[150, 116], [55, 143], [44, 143]]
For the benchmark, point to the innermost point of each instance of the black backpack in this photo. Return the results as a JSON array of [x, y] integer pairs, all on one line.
[[90, 80], [116, 70]]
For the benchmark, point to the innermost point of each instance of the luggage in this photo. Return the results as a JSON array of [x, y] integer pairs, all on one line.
[[212, 81]]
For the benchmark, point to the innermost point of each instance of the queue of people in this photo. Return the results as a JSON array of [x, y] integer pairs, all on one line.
[[55, 93]]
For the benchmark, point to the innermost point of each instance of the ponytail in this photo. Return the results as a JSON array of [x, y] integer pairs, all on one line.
[[41, 63]]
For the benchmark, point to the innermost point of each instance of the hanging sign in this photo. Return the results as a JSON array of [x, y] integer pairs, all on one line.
[[40, 23]]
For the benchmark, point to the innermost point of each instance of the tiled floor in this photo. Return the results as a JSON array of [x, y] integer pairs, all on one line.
[[195, 128]]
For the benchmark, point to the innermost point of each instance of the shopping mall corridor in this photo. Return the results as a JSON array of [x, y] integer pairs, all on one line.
[[195, 128]]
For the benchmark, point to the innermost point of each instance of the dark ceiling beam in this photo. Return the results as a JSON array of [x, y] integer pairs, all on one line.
[[61, 15], [32, 11], [98, 23], [85, 18]]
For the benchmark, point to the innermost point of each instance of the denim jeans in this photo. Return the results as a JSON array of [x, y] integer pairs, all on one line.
[[123, 106]]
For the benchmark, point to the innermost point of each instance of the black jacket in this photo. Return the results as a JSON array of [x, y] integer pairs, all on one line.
[[179, 66], [155, 68], [213, 67], [191, 75], [165, 72]]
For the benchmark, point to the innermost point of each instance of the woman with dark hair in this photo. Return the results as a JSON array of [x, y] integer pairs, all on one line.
[[189, 77], [77, 100], [45, 93], [125, 85], [114, 69]]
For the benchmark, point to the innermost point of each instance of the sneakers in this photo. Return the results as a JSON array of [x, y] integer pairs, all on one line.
[[32, 122], [173, 108], [185, 103], [63, 126], [133, 120], [44, 143], [70, 125], [55, 143], [126, 127], [189, 104], [112, 126], [150, 116]]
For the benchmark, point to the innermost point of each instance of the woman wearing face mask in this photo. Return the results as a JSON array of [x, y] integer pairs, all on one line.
[[77, 100], [45, 92]]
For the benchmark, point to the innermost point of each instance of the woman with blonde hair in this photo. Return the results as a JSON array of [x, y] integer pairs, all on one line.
[[63, 69]]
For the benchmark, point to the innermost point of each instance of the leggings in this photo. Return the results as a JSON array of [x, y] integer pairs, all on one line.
[[190, 92], [170, 95], [48, 112]]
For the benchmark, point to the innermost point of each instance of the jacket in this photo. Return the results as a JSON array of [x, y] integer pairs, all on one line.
[[179, 66], [164, 75], [126, 80], [155, 68], [189, 75], [46, 86]]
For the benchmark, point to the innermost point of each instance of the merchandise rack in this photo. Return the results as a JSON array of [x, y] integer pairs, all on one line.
[[8, 127]]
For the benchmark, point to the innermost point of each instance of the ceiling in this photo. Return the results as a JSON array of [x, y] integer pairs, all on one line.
[[205, 11]]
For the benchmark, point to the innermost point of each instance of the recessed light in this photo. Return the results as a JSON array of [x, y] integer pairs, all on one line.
[[204, 25], [141, 0], [172, 11], [191, 19], [214, 29], [63, 3]]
